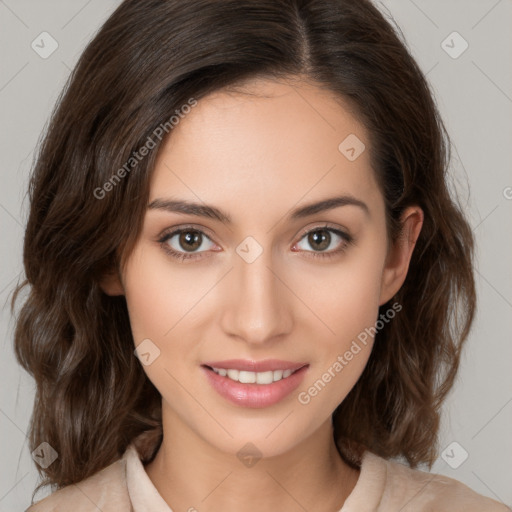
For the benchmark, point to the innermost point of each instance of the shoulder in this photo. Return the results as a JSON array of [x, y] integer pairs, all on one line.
[[416, 490], [105, 490]]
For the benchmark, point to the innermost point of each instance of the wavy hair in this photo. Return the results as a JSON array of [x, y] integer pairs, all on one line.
[[147, 60]]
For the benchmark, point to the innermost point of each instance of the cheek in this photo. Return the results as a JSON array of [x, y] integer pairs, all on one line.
[[160, 304], [348, 305], [147, 297], [158, 298], [346, 295], [356, 294]]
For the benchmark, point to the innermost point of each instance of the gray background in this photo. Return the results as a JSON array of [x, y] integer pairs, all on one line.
[[474, 93]]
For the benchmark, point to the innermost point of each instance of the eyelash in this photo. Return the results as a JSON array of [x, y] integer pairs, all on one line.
[[165, 237]]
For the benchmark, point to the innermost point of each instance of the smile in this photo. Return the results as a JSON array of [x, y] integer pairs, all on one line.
[[246, 377], [254, 384]]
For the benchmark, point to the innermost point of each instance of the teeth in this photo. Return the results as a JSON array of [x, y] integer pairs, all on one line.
[[246, 377], [232, 374], [265, 377]]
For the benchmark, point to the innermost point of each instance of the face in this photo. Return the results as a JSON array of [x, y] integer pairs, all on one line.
[[276, 281]]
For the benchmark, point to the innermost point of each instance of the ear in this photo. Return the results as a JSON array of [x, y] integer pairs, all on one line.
[[111, 283], [400, 252]]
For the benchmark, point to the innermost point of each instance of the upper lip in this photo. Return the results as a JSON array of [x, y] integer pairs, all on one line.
[[255, 366]]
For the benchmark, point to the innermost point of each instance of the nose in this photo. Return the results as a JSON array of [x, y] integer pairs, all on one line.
[[258, 304]]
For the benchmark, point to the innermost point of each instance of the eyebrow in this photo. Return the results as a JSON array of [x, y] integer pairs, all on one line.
[[204, 210]]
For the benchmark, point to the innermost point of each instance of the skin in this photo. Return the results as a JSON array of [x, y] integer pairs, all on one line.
[[258, 153]]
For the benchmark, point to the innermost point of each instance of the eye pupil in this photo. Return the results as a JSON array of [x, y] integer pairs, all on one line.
[[314, 238], [191, 238]]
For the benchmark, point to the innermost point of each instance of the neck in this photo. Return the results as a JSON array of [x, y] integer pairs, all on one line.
[[190, 474]]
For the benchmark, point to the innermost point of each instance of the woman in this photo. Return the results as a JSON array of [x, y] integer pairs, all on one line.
[[249, 197]]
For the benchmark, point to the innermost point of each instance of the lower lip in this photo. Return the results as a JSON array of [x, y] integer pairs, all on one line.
[[254, 395]]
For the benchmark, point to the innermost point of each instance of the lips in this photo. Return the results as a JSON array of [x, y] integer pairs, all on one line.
[[255, 366], [255, 395]]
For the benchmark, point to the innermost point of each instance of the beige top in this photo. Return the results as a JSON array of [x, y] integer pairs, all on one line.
[[382, 486]]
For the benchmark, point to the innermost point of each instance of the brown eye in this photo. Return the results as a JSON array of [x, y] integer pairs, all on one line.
[[319, 239], [184, 243], [190, 240]]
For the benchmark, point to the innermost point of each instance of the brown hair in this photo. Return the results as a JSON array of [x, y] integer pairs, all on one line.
[[147, 61]]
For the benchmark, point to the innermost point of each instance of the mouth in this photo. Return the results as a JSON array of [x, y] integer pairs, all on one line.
[[250, 377], [254, 384]]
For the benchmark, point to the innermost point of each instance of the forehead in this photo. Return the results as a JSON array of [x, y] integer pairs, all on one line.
[[264, 142]]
